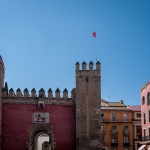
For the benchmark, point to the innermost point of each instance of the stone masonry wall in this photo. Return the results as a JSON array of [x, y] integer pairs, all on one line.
[[87, 100]]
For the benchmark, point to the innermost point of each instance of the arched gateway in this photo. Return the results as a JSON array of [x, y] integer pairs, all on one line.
[[40, 137]]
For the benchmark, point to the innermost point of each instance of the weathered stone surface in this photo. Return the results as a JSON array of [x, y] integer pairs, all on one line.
[[87, 95]]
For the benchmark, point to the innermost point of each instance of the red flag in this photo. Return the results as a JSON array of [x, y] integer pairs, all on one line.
[[94, 34]]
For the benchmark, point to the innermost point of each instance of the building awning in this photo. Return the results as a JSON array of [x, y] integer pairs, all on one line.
[[141, 148]]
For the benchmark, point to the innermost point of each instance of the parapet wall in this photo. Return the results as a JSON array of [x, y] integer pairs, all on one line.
[[90, 69], [33, 96]]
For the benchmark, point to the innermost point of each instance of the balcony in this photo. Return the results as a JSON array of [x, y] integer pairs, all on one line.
[[138, 138], [126, 144], [113, 132], [114, 144], [143, 139], [146, 138], [108, 120]]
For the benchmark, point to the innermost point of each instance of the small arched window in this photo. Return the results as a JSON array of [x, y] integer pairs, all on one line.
[[143, 100], [148, 98]]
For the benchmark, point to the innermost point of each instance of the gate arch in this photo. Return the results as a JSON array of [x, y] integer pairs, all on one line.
[[35, 130], [37, 136]]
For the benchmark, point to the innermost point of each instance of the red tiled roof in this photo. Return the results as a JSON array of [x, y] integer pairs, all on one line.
[[135, 108]]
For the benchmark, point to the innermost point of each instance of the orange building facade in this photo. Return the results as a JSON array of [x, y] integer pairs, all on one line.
[[116, 126]]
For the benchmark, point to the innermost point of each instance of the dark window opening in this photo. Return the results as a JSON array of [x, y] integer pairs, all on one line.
[[148, 98], [143, 100]]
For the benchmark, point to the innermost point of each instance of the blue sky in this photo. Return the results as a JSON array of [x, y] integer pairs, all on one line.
[[40, 42]]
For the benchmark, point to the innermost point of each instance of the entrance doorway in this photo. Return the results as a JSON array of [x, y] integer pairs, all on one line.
[[42, 141], [40, 137]]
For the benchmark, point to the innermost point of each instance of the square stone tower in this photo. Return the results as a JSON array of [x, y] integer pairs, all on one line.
[[88, 95]]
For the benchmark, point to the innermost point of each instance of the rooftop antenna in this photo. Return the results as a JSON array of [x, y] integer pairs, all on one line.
[[109, 96]]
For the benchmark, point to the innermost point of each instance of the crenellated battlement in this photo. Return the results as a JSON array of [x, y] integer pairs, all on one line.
[[89, 69], [91, 65], [41, 94]]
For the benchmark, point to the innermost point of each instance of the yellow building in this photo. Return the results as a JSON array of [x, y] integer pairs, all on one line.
[[116, 126]]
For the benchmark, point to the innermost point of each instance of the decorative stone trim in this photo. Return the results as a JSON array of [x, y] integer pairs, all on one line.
[[35, 129]]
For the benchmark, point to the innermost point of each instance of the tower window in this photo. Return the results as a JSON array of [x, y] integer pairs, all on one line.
[[87, 79], [41, 105]]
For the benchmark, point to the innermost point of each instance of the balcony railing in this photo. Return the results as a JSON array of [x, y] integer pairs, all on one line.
[[114, 120], [142, 139], [114, 144], [138, 137], [126, 132], [146, 138], [113, 132], [126, 144]]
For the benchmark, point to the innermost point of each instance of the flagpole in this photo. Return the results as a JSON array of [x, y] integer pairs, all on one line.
[[95, 50], [94, 36]]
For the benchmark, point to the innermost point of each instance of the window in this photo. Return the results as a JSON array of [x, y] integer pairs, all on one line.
[[41, 105], [148, 98], [149, 115], [138, 115], [113, 140], [114, 130], [102, 117], [126, 130], [125, 118], [144, 118], [102, 129], [102, 140], [138, 132], [113, 117], [144, 133], [143, 100], [126, 139]]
